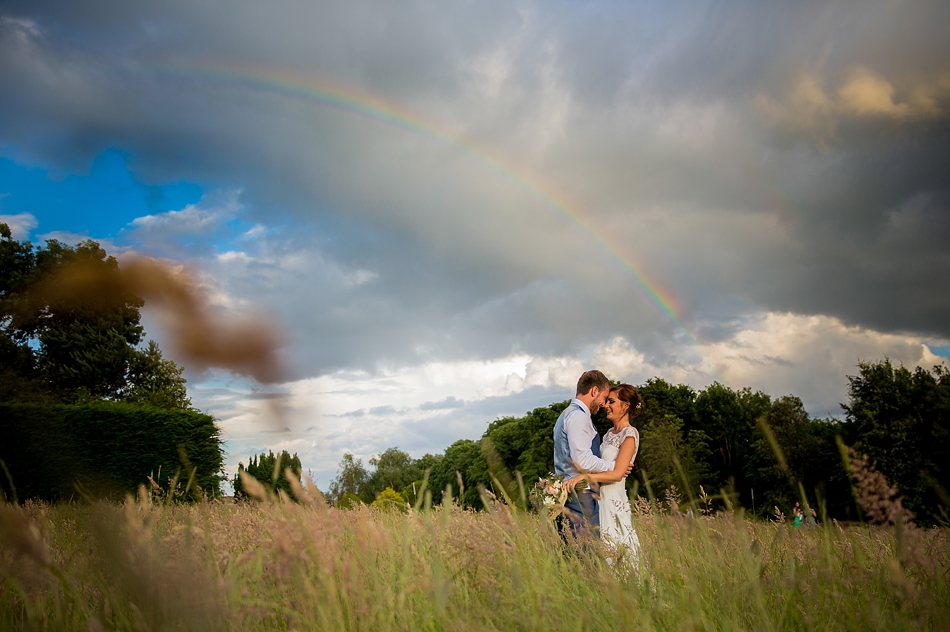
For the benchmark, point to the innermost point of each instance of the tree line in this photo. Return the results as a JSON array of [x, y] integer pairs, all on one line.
[[742, 447]]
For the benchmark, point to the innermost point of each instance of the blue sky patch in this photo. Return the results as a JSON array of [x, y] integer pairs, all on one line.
[[97, 204], [942, 351]]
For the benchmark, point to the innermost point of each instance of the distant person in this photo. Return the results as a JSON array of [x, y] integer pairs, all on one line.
[[797, 515], [621, 443], [811, 517]]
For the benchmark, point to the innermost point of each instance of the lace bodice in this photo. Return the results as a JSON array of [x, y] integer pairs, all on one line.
[[615, 439]]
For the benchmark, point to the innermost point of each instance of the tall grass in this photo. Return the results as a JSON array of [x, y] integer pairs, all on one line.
[[280, 565]]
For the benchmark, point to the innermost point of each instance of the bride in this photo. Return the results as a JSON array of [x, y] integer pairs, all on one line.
[[619, 444]]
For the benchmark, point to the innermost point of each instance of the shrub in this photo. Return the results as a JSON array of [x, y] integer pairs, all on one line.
[[105, 450], [390, 500]]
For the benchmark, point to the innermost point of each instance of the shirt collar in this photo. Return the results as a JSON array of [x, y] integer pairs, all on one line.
[[582, 405]]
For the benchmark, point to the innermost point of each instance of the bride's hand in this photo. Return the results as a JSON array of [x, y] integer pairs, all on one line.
[[572, 481]]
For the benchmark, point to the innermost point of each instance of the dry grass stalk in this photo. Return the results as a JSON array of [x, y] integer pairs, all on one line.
[[880, 502]]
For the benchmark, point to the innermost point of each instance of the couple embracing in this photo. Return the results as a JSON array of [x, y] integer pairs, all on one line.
[[602, 508]]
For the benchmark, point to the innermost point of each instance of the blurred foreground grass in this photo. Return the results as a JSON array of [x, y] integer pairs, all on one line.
[[280, 565]]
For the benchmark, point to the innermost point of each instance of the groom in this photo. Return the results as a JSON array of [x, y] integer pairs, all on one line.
[[577, 450]]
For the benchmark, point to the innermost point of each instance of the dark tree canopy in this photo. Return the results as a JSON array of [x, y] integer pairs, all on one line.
[[728, 418], [669, 456], [901, 420], [456, 463], [62, 345]]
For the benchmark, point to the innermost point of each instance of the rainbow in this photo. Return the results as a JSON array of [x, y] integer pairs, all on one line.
[[354, 102]]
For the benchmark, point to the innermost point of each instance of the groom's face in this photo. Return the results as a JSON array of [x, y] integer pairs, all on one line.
[[599, 397]]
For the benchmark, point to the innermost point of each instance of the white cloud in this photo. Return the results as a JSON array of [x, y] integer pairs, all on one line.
[[20, 224], [809, 356], [201, 220], [191, 219], [64, 236]]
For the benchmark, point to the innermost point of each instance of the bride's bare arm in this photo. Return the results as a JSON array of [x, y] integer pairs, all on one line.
[[621, 466]]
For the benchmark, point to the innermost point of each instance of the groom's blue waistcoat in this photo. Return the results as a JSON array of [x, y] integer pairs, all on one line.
[[563, 465]]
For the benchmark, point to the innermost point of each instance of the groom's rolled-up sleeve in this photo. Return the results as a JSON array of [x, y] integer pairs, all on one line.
[[580, 435]]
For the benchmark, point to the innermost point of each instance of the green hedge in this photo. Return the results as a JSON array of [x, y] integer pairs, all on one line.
[[105, 449]]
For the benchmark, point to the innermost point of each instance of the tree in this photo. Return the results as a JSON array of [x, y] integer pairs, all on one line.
[[825, 473], [665, 456], [898, 417], [69, 331], [349, 481], [497, 459], [427, 462], [728, 418], [393, 468], [513, 445], [537, 427], [901, 420], [86, 339], [661, 398], [155, 381], [778, 469], [458, 460], [269, 470], [19, 375]]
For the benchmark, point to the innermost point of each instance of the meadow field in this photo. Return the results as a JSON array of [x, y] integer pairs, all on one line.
[[281, 565]]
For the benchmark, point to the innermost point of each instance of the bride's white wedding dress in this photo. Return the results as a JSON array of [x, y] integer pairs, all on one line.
[[616, 519]]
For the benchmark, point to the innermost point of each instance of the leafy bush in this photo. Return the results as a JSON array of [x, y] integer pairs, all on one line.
[[390, 500], [104, 450]]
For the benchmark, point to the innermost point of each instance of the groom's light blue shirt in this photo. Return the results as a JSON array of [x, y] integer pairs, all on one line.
[[573, 435]]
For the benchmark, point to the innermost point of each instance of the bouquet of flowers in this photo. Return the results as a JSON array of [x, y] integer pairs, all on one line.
[[551, 493]]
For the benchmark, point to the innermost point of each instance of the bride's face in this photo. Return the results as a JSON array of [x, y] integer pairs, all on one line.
[[615, 408]]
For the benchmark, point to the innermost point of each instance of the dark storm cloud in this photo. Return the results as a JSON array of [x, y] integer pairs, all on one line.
[[747, 157]]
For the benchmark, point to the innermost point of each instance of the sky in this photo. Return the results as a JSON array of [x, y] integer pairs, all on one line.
[[452, 209]]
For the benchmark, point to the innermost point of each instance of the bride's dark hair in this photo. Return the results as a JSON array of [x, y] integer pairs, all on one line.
[[627, 393]]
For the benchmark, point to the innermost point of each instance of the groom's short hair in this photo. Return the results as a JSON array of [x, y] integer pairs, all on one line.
[[590, 379]]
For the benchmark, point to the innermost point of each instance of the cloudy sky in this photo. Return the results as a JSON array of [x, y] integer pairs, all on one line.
[[451, 209]]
